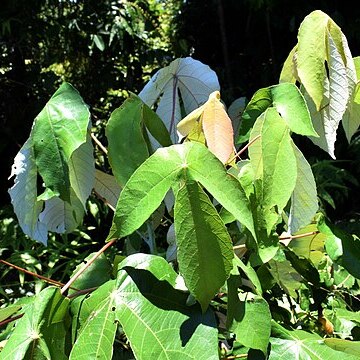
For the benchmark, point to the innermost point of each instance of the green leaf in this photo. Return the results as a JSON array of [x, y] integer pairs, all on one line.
[[204, 246], [304, 200], [95, 275], [249, 318], [101, 321], [149, 184], [30, 338], [59, 129], [187, 77], [346, 346], [311, 247], [343, 248], [287, 99], [145, 190], [323, 65], [99, 42], [271, 156], [351, 118], [299, 344], [8, 311], [127, 147], [250, 273], [149, 308]]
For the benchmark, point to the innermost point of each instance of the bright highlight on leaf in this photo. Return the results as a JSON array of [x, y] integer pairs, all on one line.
[[215, 124], [322, 63], [185, 77]]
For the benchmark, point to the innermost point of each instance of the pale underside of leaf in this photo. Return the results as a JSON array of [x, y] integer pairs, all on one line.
[[192, 79], [107, 187], [304, 200], [24, 194]]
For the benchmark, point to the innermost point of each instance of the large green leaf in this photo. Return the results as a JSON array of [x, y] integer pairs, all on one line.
[[149, 184], [127, 147], [152, 313], [149, 309], [59, 129], [346, 346], [299, 344], [30, 339], [249, 318], [97, 333], [287, 100], [271, 156], [204, 246], [185, 82]]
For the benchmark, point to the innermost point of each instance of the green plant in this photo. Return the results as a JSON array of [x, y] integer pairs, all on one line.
[[249, 266]]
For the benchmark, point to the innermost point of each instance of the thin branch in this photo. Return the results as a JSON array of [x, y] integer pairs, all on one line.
[[82, 292], [290, 237], [283, 239], [243, 149], [73, 278], [48, 280], [104, 200], [7, 321], [98, 143]]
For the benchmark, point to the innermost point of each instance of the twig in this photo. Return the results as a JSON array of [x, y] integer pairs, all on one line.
[[48, 280], [243, 149], [283, 239], [7, 321], [73, 278], [81, 292], [98, 143]]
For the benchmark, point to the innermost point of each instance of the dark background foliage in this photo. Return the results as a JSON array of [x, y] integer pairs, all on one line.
[[107, 48]]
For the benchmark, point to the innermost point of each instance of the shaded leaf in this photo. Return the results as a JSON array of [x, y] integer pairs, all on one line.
[[107, 187], [127, 148], [203, 243], [304, 200]]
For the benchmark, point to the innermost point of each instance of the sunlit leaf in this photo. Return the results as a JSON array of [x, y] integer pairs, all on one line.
[[30, 338], [299, 344], [216, 126], [149, 184], [59, 129], [249, 318], [143, 299], [186, 78], [287, 99]]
